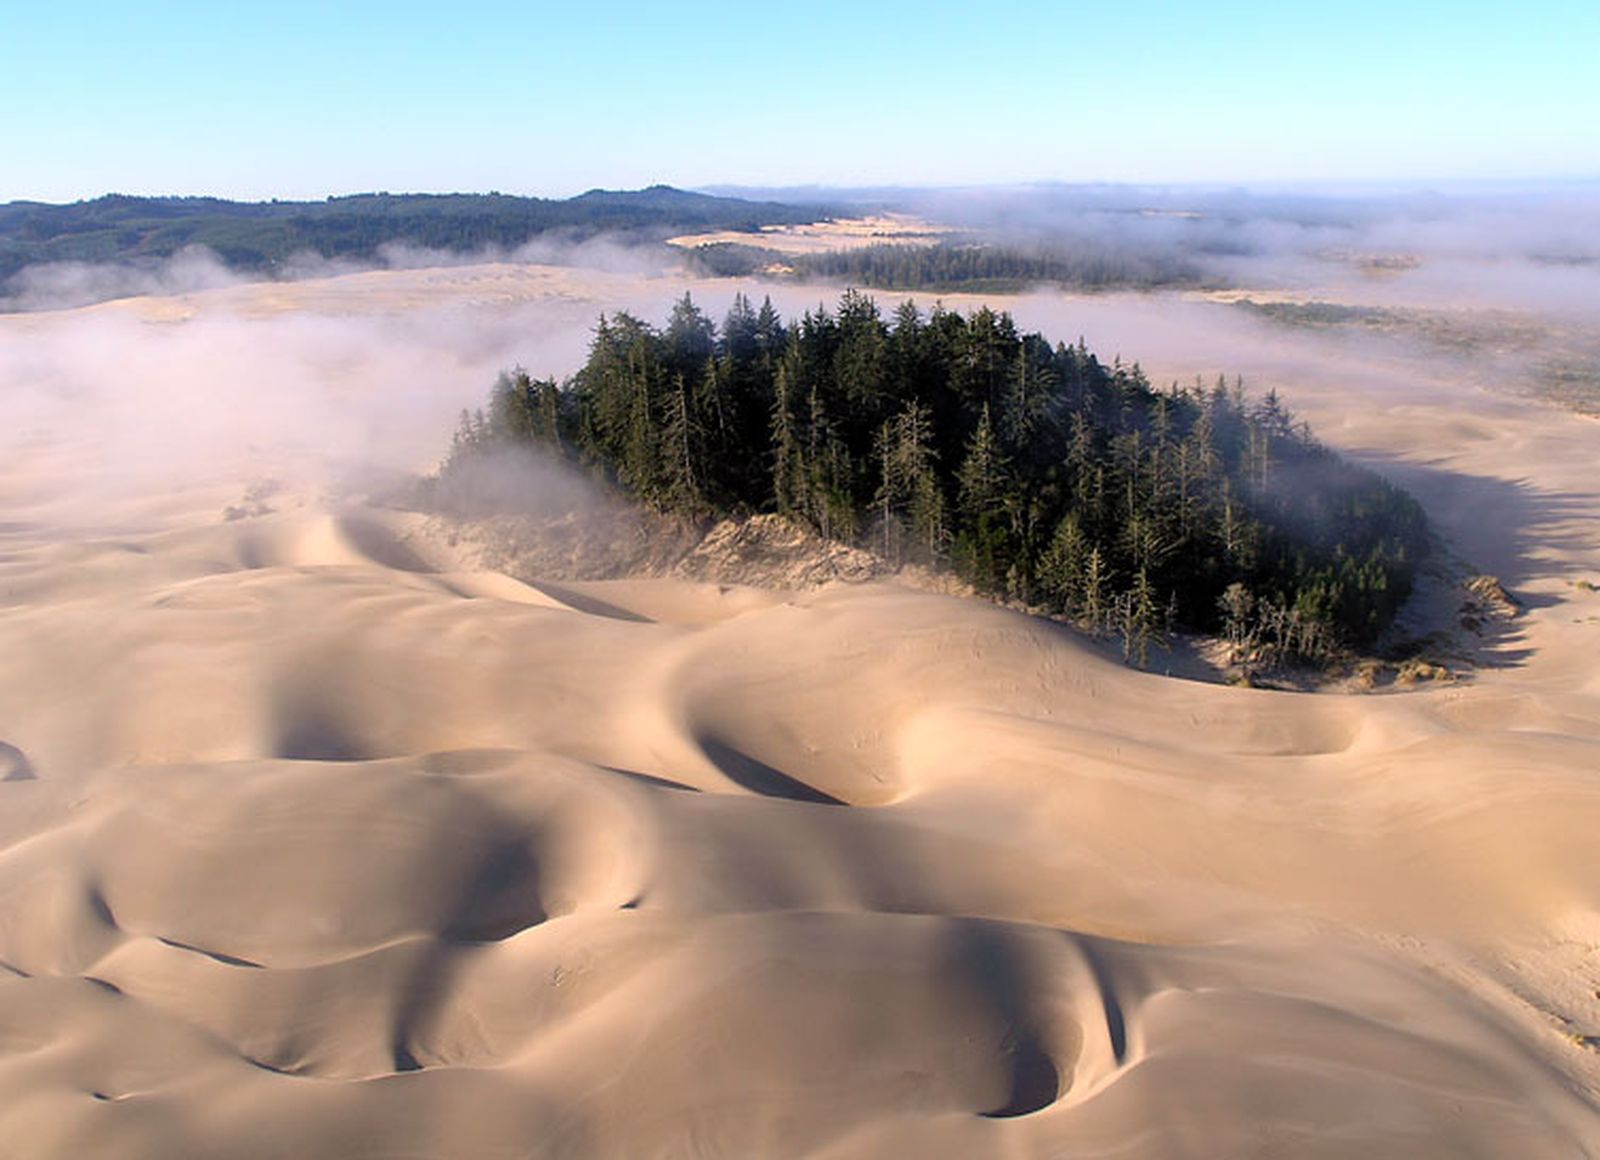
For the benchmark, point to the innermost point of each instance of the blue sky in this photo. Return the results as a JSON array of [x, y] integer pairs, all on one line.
[[296, 99]]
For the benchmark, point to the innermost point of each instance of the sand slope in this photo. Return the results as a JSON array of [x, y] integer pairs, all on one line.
[[314, 845]]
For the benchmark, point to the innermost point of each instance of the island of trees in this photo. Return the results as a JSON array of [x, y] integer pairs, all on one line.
[[974, 265], [993, 267], [1034, 470]]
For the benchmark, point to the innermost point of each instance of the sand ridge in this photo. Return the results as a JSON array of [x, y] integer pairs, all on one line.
[[316, 842]]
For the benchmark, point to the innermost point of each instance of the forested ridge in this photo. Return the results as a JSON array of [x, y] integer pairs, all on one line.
[[260, 236], [1037, 472]]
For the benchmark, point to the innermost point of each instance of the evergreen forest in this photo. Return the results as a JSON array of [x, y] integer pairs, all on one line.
[[976, 265], [262, 236], [1037, 472]]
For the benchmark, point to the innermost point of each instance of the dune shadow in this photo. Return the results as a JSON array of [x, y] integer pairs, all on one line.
[[467, 762], [581, 602], [14, 764], [225, 959], [1116, 1020], [760, 778], [501, 898], [1496, 524], [1506, 529], [1002, 978], [310, 725], [378, 544], [313, 736], [651, 780], [99, 907]]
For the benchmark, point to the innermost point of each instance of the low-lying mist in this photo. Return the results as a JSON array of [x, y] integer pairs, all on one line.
[[349, 376], [1523, 246], [63, 285], [208, 378]]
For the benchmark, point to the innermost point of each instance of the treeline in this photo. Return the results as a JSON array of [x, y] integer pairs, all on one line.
[[734, 260], [261, 236], [995, 267], [1034, 470]]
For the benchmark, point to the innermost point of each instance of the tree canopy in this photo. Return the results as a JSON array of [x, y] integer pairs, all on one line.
[[1036, 471]]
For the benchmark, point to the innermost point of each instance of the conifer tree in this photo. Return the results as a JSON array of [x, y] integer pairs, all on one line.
[[1140, 617], [680, 488], [983, 548], [789, 472], [982, 478], [690, 338], [1095, 589], [1063, 569]]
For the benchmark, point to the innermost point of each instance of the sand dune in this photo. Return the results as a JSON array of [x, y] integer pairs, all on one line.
[[315, 842]]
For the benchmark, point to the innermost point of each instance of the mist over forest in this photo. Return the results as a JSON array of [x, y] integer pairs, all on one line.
[[1151, 236], [1031, 469], [116, 245], [1515, 245]]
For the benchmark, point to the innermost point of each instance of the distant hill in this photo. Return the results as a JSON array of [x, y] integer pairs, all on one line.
[[259, 237]]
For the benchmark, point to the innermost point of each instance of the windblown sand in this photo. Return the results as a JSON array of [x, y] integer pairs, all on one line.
[[313, 844]]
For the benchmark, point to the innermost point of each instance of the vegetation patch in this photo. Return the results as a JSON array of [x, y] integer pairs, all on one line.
[[736, 260], [1486, 602], [1034, 471], [990, 268]]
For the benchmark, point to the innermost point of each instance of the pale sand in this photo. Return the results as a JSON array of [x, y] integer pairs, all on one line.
[[314, 845], [889, 229]]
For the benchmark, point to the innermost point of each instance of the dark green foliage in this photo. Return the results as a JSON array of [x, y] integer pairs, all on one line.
[[1037, 472], [732, 260], [989, 266], [261, 236]]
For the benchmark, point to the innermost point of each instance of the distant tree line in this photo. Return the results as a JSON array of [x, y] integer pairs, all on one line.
[[1035, 471], [995, 266], [260, 236], [973, 266]]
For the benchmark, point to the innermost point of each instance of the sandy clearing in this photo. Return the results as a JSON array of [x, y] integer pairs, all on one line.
[[891, 229]]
